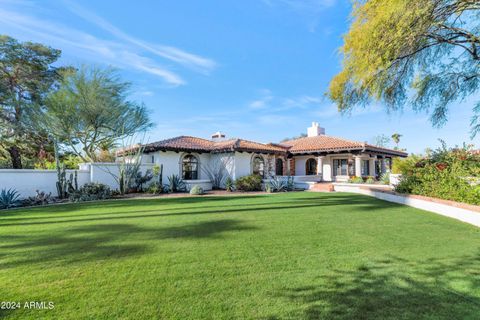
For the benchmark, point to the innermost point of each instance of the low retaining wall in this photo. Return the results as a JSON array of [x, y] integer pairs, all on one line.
[[27, 181], [460, 211], [206, 185]]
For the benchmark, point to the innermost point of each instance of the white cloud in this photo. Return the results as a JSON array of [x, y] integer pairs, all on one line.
[[263, 102], [168, 52], [83, 45]]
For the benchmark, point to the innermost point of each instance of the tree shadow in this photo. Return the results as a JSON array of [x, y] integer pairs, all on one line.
[[361, 203], [393, 288], [104, 241]]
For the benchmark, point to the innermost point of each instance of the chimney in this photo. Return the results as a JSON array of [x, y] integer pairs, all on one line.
[[315, 130], [218, 136]]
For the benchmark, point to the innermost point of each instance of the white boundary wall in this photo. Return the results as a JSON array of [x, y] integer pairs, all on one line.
[[27, 181], [458, 211]]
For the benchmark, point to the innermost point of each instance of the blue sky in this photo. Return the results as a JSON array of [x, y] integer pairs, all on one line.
[[255, 69]]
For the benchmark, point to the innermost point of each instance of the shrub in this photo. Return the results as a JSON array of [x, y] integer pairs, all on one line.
[[405, 165], [155, 188], [229, 184], [385, 178], [9, 198], [141, 180], [355, 180], [249, 183], [370, 180], [445, 174], [40, 198], [197, 190], [176, 184], [91, 191]]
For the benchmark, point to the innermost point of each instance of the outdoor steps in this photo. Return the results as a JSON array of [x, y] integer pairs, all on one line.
[[322, 187]]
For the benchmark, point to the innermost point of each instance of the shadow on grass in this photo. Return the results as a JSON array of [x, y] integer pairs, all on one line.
[[114, 203], [360, 203], [103, 241], [393, 289]]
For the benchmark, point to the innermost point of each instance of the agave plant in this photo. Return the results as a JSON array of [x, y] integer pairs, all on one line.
[[277, 184], [229, 184], [176, 184], [9, 198]]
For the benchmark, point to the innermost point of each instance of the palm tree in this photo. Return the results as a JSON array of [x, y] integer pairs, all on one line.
[[396, 138]]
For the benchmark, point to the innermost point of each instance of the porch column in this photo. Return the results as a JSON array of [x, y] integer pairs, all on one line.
[[320, 166], [371, 166], [358, 166], [382, 165]]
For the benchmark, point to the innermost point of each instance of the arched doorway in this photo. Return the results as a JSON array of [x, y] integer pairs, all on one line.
[[311, 167], [258, 166]]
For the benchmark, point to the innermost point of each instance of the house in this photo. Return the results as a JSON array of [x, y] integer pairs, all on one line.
[[314, 158]]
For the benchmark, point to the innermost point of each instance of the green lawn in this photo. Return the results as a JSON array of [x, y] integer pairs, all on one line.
[[285, 256]]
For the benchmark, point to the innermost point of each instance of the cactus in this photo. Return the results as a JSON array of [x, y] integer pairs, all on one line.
[[66, 186]]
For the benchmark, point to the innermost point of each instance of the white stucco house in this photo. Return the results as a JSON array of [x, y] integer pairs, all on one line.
[[314, 158]]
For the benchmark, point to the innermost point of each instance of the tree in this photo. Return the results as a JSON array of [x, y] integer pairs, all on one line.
[[396, 138], [301, 135], [26, 75], [381, 141], [90, 111], [423, 52]]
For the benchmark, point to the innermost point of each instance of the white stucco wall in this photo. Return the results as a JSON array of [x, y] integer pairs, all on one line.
[[242, 164], [27, 181]]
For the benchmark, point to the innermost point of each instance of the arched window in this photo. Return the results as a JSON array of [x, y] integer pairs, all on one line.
[[311, 167], [279, 167], [258, 165], [189, 167]]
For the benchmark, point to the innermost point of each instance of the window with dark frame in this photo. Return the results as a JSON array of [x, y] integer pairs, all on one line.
[[365, 167], [340, 167], [311, 167], [189, 167], [279, 167]]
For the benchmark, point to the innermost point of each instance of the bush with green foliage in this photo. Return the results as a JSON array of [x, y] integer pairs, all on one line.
[[385, 178], [197, 190], [91, 191], [142, 179], [9, 198], [41, 198], [445, 174], [155, 188], [370, 180], [355, 179], [249, 183]]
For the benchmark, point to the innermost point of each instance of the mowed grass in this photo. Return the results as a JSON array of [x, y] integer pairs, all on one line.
[[283, 256]]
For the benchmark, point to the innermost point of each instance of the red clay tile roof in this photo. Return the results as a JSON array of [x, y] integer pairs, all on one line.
[[187, 143], [320, 143], [325, 143], [181, 143]]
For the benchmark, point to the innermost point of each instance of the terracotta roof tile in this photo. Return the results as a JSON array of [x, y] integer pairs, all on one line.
[[181, 143], [324, 143], [320, 143], [187, 143]]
